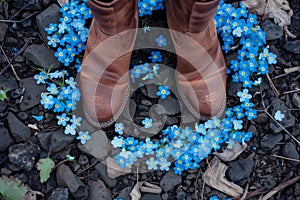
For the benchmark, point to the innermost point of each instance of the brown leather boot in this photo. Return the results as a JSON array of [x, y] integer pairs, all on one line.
[[201, 68], [104, 75]]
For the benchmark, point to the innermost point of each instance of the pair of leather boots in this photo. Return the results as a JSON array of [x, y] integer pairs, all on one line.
[[104, 77]]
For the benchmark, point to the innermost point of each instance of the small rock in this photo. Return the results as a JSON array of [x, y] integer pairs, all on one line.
[[269, 141], [57, 140], [181, 195], [296, 100], [3, 28], [41, 56], [293, 46], [102, 169], [290, 151], [268, 183], [9, 83], [5, 171], [83, 160], [11, 40], [170, 180], [3, 106], [22, 116], [60, 193], [19, 59], [239, 171], [296, 130], [17, 128], [17, 93], [99, 191], [66, 178], [50, 15], [151, 197], [32, 96], [146, 102], [125, 194], [24, 155], [29, 4], [170, 104], [288, 120], [262, 118], [150, 91], [97, 146], [6, 139], [172, 121], [273, 31], [233, 88]]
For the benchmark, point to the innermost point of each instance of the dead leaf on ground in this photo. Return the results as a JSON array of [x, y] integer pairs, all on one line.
[[214, 176], [135, 194], [233, 153], [150, 188], [279, 10], [32, 195], [113, 169]]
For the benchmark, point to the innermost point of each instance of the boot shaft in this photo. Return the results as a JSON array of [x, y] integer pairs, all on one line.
[[190, 15], [115, 16]]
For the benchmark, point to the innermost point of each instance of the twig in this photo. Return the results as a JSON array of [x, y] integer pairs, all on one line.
[[254, 193], [11, 66], [202, 192], [20, 10], [273, 86], [19, 52], [286, 158], [87, 168], [266, 111], [245, 192], [292, 91], [281, 186]]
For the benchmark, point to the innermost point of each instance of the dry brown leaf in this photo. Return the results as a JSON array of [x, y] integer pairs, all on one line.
[[150, 188], [113, 169], [135, 194], [279, 10], [214, 176], [233, 153]]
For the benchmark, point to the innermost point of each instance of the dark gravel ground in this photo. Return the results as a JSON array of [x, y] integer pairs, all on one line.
[[259, 166]]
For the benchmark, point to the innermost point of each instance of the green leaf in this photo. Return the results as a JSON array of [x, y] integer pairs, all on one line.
[[45, 166], [12, 189]]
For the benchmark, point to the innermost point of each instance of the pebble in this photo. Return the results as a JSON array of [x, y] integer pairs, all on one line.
[[97, 146], [3, 28], [19, 131], [9, 83], [50, 15], [57, 139], [6, 139], [239, 171], [3, 106], [99, 191], [125, 194], [268, 182], [24, 155], [296, 100], [66, 178], [288, 120], [170, 181], [269, 141], [32, 95], [102, 169], [150, 197], [273, 31], [290, 151], [292, 46], [22, 116], [59, 193], [83, 160], [41, 56], [170, 104]]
